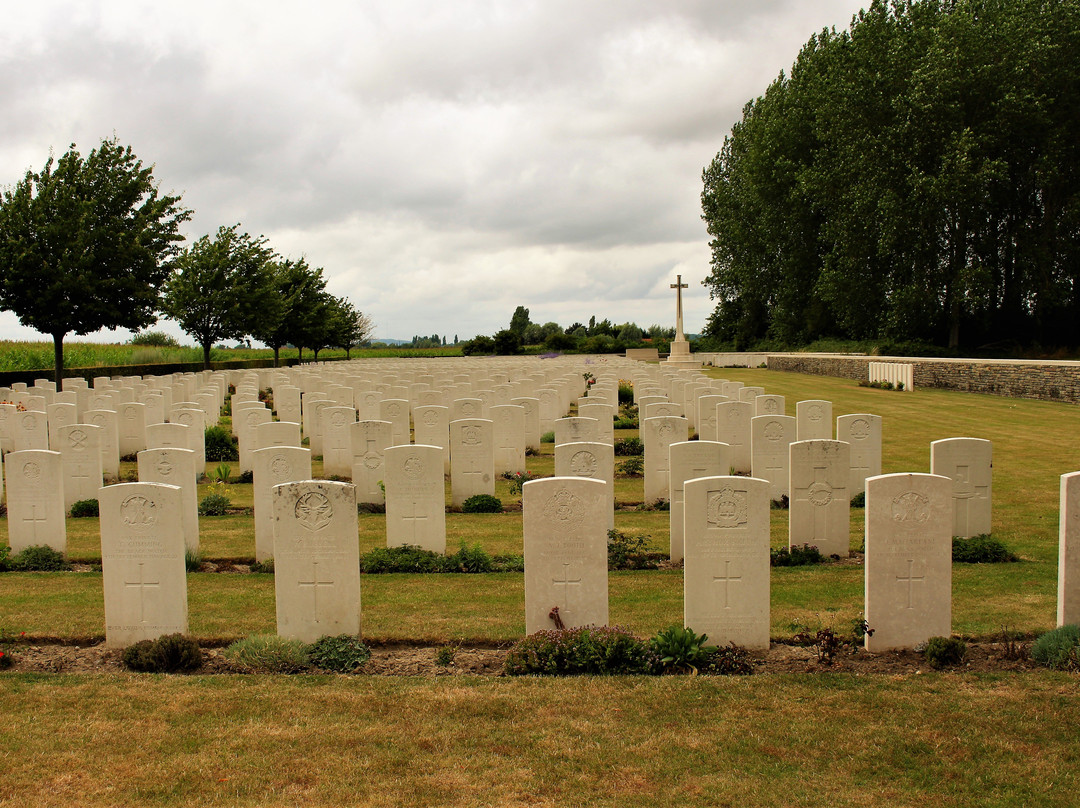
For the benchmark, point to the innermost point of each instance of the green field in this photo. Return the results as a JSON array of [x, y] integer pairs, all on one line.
[[947, 738]]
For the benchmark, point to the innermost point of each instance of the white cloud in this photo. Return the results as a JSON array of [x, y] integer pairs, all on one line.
[[444, 163]]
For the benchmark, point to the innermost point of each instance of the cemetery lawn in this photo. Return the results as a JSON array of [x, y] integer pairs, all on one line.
[[940, 739], [953, 739]]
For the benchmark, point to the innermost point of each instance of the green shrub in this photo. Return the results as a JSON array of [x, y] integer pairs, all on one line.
[[781, 504], [469, 559], [268, 653], [482, 503], [82, 508], [6, 659], [1058, 649], [220, 445], [981, 549], [39, 558], [547, 437], [944, 652], [859, 500], [214, 505], [444, 656], [406, 558], [248, 477], [517, 480], [154, 339], [588, 649], [5, 558], [632, 467], [222, 473], [626, 447], [626, 392], [626, 422], [341, 654], [795, 556], [680, 648], [728, 660], [264, 567], [171, 653], [627, 552]]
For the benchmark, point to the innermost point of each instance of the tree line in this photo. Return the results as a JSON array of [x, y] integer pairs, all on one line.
[[596, 337], [91, 243], [914, 178]]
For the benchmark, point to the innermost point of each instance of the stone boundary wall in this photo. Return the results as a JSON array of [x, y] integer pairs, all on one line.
[[9, 377], [1050, 381]]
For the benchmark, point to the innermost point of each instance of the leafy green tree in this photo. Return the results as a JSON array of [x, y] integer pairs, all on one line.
[[222, 288], [301, 292], [507, 343], [519, 321], [85, 244], [350, 327]]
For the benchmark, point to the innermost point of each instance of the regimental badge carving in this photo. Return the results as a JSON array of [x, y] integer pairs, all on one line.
[[184, 418], [771, 406], [860, 429], [820, 494], [338, 419], [814, 413], [252, 419], [394, 410], [372, 461], [564, 510], [413, 467], [583, 464], [279, 468], [164, 467], [911, 508], [138, 512], [733, 414], [314, 511], [31, 470], [470, 436], [727, 508], [77, 439], [29, 421], [430, 418], [665, 430], [774, 431], [99, 420], [129, 413]]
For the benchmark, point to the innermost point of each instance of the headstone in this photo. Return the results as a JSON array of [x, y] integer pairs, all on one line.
[[316, 560], [35, 500], [733, 428], [107, 421], [576, 430], [689, 460], [1068, 596], [132, 419], [531, 406], [604, 414], [60, 415], [820, 508], [337, 448], [508, 433], [176, 466], [908, 564], [968, 462], [726, 565], [706, 416], [565, 536], [593, 460], [814, 420], [472, 459], [415, 497], [396, 411], [195, 419], [657, 435], [80, 458], [250, 419], [863, 432], [30, 431], [142, 562], [770, 437], [277, 433], [168, 436], [370, 440], [432, 428], [274, 465]]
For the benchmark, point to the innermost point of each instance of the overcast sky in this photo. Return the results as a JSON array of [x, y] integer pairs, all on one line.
[[444, 162]]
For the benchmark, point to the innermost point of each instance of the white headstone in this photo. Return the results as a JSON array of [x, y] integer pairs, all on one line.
[[593, 460], [80, 457], [415, 497], [35, 500], [508, 433], [726, 566], [863, 432], [689, 460], [274, 465], [142, 562], [175, 466], [472, 459], [968, 462], [820, 507], [370, 440], [908, 566], [565, 535], [770, 437], [657, 435], [733, 428], [814, 420], [316, 560]]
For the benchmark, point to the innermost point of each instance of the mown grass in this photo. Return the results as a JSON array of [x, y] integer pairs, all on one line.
[[940, 739]]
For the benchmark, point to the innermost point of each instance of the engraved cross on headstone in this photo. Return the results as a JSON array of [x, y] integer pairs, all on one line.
[[910, 579], [314, 583], [820, 508], [412, 518], [565, 582], [34, 518], [142, 585], [963, 494], [727, 579]]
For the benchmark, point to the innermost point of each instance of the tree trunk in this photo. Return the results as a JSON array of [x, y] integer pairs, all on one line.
[[206, 355], [299, 354], [58, 361], [276, 349], [316, 357]]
